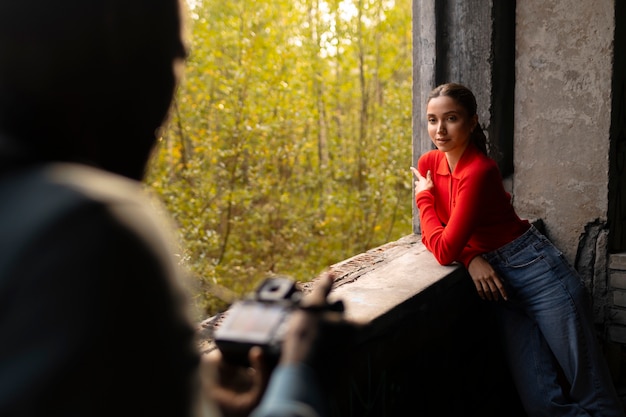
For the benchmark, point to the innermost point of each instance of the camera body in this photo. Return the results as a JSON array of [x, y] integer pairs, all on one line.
[[258, 320]]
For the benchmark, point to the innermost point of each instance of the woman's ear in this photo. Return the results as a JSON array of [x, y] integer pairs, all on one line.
[[473, 123]]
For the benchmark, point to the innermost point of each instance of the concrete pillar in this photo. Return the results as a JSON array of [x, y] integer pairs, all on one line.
[[424, 34]]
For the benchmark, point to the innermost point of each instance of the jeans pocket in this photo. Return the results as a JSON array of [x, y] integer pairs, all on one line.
[[523, 259]]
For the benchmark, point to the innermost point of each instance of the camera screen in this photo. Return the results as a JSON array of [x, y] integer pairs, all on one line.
[[253, 322]]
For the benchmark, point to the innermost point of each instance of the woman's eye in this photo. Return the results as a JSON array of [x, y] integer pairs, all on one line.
[[452, 118], [431, 120]]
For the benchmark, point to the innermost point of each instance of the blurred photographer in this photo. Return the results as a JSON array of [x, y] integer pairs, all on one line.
[[93, 318]]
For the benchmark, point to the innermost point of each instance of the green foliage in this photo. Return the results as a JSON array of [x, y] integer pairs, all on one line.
[[289, 141]]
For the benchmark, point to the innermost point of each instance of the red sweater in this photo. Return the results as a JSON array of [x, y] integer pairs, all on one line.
[[467, 212]]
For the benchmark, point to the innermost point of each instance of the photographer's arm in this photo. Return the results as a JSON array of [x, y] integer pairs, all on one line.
[[235, 390]]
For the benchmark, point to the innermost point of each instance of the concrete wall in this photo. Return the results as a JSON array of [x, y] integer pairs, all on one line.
[[564, 54]]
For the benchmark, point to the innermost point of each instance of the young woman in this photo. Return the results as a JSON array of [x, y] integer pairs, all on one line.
[[542, 306]]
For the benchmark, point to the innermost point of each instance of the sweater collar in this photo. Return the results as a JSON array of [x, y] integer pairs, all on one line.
[[468, 156]]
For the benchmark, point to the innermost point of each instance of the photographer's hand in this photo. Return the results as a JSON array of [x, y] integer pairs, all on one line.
[[304, 326], [235, 390]]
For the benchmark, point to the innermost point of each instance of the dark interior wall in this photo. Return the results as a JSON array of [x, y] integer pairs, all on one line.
[[617, 167], [434, 356], [503, 88]]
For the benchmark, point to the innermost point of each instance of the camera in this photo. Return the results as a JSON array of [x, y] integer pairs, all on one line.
[[257, 320]]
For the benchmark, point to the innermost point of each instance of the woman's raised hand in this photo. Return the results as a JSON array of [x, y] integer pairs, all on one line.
[[422, 183]]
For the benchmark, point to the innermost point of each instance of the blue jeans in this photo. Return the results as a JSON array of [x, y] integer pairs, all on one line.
[[548, 332]]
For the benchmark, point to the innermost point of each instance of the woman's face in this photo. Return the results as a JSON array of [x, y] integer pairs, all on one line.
[[449, 126]]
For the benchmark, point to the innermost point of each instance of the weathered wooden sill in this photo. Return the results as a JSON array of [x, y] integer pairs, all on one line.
[[426, 344]]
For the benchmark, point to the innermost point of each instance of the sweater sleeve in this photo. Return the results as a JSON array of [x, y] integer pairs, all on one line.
[[449, 242]]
